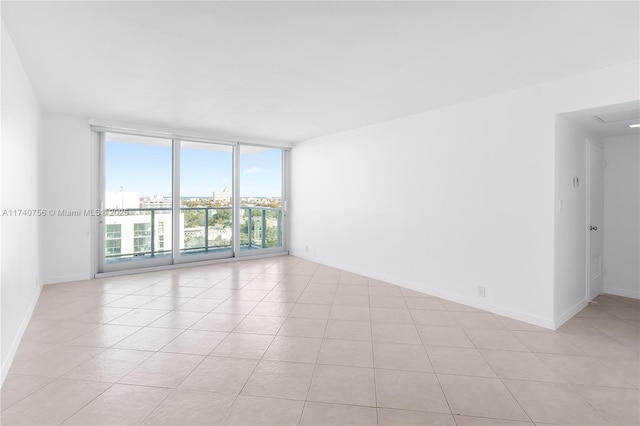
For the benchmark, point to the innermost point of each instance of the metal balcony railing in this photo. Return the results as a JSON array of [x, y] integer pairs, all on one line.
[[142, 231]]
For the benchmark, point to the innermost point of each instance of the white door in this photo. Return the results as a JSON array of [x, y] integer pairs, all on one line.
[[595, 209]]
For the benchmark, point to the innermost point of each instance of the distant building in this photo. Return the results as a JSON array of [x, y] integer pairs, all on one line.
[[223, 196], [156, 202]]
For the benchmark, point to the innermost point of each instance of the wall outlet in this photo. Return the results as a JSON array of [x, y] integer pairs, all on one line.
[[481, 291]]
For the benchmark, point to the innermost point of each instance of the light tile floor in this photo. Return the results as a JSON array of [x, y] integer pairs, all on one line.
[[285, 341]]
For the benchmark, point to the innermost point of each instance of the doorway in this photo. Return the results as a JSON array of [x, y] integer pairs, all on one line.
[[587, 247]]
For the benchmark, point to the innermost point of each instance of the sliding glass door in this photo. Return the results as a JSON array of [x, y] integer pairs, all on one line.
[[170, 200], [206, 195], [137, 201], [261, 201]]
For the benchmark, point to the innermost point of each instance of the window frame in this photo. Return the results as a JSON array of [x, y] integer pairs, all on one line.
[[99, 238]]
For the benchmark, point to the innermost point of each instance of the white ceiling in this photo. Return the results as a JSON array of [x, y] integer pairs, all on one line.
[[609, 120], [288, 71]]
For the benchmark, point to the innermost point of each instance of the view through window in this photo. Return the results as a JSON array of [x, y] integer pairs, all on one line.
[[138, 197], [139, 176], [260, 197], [206, 188]]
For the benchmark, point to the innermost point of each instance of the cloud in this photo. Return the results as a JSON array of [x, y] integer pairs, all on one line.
[[258, 170]]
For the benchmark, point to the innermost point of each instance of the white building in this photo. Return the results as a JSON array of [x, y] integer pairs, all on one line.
[[156, 202], [223, 196], [133, 233]]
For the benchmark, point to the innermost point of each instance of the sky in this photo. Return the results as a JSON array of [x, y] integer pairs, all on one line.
[[146, 169]]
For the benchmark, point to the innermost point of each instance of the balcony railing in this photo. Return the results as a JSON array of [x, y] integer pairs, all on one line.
[[148, 232]]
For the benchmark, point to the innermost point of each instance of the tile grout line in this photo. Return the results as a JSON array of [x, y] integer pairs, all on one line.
[[175, 389], [373, 357], [252, 372], [492, 369], [85, 405], [434, 370], [315, 364]]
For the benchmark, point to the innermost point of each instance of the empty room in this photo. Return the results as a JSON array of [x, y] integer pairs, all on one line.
[[320, 213]]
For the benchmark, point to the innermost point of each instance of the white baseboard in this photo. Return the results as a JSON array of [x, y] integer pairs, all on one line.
[[16, 341], [622, 292], [65, 278], [569, 313], [517, 315]]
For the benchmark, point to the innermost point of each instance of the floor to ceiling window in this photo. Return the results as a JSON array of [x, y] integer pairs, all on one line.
[[174, 200], [206, 194], [260, 198], [137, 199]]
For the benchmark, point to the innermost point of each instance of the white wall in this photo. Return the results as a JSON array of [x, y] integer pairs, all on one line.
[[21, 130], [622, 216], [450, 199], [66, 180], [570, 293]]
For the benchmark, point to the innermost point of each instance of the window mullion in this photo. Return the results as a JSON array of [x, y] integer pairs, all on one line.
[[175, 197]]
